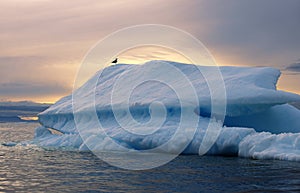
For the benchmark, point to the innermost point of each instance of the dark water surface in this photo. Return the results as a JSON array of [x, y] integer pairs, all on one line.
[[32, 169]]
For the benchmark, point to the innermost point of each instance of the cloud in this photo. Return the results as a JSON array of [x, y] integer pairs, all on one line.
[[34, 78], [252, 32], [25, 89], [45, 41], [146, 53], [295, 67], [245, 32]]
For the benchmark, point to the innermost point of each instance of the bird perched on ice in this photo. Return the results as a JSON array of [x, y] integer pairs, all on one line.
[[115, 61]]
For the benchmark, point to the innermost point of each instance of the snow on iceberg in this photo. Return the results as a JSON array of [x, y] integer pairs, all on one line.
[[258, 120]]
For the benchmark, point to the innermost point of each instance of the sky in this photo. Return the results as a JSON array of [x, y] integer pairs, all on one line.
[[43, 42]]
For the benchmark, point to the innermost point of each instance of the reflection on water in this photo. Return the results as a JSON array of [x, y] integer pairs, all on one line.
[[29, 118], [33, 169]]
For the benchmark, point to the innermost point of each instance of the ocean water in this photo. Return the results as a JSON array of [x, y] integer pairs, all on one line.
[[33, 169]]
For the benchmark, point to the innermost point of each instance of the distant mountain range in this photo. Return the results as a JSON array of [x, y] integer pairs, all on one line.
[[21, 111]]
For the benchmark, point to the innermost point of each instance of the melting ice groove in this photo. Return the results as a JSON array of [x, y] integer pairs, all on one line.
[[259, 123]]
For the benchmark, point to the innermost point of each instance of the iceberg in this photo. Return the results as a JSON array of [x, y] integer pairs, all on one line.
[[258, 122]]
